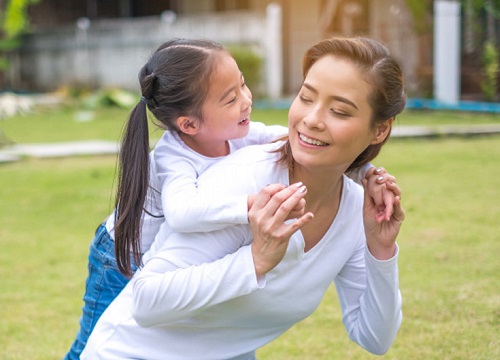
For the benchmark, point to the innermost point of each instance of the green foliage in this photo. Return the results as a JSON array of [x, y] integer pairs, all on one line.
[[250, 64], [489, 83], [13, 23], [422, 14]]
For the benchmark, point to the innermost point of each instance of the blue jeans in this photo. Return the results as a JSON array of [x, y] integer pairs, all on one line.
[[104, 282]]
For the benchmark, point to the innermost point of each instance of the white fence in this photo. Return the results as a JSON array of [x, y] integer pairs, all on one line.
[[110, 53]]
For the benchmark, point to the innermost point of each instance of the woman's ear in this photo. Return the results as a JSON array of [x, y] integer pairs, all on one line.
[[382, 131], [188, 125]]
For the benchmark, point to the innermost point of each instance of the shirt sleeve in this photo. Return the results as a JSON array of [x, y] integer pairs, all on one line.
[[170, 289], [358, 174], [185, 208], [261, 133], [370, 299]]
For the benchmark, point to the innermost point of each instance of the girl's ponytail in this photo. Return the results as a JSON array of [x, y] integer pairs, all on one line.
[[132, 188]]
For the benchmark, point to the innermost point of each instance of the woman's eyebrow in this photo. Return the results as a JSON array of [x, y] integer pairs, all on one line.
[[333, 97]]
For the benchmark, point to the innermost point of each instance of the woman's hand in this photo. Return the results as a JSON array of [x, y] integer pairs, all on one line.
[[296, 212], [271, 207], [382, 188], [381, 235]]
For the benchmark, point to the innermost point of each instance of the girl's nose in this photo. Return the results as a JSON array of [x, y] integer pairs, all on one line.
[[247, 99]]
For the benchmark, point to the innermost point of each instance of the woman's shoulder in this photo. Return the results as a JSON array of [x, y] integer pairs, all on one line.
[[252, 154], [352, 194], [249, 167]]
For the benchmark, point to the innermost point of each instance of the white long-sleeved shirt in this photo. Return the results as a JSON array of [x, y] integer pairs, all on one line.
[[198, 296], [174, 169]]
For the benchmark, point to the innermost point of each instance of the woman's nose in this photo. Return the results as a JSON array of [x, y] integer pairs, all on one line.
[[313, 119]]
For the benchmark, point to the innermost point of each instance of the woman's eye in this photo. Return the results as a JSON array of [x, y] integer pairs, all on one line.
[[339, 113], [304, 99]]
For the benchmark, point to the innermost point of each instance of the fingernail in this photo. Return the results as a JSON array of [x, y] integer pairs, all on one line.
[[380, 178], [378, 170], [303, 189], [299, 184]]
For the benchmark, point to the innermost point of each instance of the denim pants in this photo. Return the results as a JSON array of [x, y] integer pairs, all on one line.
[[104, 282]]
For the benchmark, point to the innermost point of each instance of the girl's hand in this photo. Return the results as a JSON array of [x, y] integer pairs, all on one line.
[[381, 235], [382, 188], [271, 207]]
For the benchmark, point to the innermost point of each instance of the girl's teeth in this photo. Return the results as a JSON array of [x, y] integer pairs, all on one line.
[[311, 141]]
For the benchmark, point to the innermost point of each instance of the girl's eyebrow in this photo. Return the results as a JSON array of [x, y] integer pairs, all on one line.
[[226, 93], [333, 97]]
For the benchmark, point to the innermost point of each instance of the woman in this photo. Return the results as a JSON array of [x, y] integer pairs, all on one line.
[[223, 294]]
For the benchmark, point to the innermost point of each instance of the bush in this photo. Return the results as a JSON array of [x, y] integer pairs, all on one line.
[[490, 71]]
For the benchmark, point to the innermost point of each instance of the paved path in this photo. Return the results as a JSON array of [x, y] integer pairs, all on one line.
[[99, 147]]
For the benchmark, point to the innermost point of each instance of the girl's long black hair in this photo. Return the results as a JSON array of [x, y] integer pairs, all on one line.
[[174, 82]]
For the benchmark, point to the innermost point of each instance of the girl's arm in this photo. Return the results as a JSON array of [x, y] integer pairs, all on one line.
[[186, 208]]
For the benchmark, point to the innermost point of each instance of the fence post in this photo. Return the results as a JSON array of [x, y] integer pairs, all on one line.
[[447, 51], [274, 52]]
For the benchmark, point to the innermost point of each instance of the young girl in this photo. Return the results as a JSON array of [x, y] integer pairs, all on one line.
[[223, 294], [196, 91], [181, 85]]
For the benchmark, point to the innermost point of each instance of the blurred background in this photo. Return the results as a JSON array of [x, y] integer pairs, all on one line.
[[90, 44]]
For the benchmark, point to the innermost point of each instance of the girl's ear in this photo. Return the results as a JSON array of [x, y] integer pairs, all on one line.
[[188, 125], [382, 130]]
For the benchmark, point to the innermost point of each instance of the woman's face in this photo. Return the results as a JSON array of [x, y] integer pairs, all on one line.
[[329, 120]]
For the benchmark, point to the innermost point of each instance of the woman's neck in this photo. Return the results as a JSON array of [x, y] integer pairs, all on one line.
[[322, 186], [324, 190]]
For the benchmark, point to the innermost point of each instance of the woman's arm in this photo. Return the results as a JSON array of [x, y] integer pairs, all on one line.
[[194, 271], [368, 291], [167, 289], [368, 285]]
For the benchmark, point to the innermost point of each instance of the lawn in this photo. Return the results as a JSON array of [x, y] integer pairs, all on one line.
[[449, 243]]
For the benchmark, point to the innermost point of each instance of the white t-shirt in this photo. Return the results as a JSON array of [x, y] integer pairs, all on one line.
[[174, 169], [198, 297]]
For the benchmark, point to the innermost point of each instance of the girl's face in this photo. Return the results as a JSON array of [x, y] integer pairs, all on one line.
[[329, 120], [227, 107]]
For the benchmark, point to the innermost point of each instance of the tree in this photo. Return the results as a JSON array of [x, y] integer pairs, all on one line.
[[13, 23]]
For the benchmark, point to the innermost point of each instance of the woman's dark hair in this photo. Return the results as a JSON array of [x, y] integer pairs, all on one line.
[[381, 70], [174, 82]]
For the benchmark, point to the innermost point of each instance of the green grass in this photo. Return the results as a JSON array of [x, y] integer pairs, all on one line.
[[448, 262]]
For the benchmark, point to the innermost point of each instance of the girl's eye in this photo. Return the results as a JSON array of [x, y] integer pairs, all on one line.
[[232, 100]]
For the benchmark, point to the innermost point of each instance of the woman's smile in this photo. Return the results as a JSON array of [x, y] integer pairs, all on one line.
[[311, 141]]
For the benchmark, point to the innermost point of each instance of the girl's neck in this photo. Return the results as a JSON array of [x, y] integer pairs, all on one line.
[[206, 148]]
